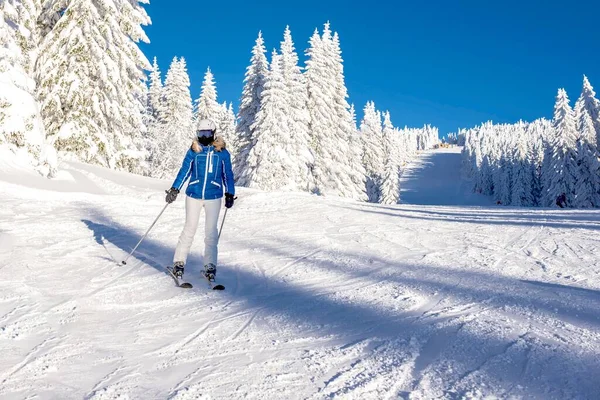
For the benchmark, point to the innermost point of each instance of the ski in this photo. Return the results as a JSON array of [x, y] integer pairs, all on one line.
[[183, 285], [213, 285]]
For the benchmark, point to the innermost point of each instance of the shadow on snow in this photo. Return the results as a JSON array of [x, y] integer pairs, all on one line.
[[326, 315]]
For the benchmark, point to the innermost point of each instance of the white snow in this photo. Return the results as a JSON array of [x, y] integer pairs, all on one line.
[[434, 179], [326, 298]]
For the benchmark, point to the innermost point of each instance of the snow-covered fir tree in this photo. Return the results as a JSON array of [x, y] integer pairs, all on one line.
[[227, 126], [522, 173], [155, 92], [155, 106], [28, 34], [207, 106], [85, 60], [538, 130], [347, 135], [319, 77], [587, 185], [390, 187], [560, 161], [503, 173], [22, 134], [254, 83], [297, 101], [587, 102], [371, 132], [359, 175], [177, 126], [391, 146], [487, 156], [271, 164], [337, 169]]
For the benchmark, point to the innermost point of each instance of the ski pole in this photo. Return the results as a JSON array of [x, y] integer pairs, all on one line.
[[124, 262], [222, 223]]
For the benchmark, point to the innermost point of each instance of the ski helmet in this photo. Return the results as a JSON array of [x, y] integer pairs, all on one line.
[[206, 131]]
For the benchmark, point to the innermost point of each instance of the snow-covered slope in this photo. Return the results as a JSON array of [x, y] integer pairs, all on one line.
[[435, 179], [325, 298]]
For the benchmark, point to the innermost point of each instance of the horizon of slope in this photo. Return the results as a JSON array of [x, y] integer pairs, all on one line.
[[325, 298]]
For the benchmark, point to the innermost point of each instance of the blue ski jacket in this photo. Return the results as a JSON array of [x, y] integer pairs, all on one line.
[[209, 171]]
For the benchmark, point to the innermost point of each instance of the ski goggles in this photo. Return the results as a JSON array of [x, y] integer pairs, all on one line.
[[205, 133]]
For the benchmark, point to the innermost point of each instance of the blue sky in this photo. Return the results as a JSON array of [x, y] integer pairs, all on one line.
[[448, 63]]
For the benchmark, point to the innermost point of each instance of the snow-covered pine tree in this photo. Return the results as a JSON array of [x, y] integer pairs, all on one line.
[[207, 106], [329, 174], [373, 156], [299, 117], [176, 120], [495, 157], [254, 83], [560, 168], [482, 167], [271, 163], [353, 115], [133, 18], [522, 184], [155, 92], [404, 151], [86, 60], [28, 34], [390, 145], [22, 132], [468, 154], [504, 192], [390, 184], [486, 175], [587, 185], [227, 125], [535, 158], [337, 170], [587, 102], [347, 134], [155, 106], [390, 187]]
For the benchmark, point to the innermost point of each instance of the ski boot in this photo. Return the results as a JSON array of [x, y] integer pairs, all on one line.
[[178, 268], [210, 271]]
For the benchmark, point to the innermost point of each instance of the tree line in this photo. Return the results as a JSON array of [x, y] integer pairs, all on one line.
[[543, 163]]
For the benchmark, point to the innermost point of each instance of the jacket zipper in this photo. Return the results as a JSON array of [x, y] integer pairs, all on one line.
[[206, 173]]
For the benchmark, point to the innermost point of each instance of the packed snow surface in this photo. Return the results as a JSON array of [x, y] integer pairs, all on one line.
[[325, 298]]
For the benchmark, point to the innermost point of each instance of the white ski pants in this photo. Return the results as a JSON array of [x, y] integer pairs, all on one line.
[[193, 207]]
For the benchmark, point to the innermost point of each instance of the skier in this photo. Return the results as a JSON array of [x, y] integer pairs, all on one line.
[[561, 200], [208, 165]]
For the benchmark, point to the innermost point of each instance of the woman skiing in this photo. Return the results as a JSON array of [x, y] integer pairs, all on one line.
[[208, 166]]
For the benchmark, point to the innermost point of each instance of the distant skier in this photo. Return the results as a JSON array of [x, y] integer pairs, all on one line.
[[561, 200], [208, 164]]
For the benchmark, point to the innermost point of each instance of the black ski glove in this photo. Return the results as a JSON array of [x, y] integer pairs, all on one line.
[[171, 195], [229, 200]]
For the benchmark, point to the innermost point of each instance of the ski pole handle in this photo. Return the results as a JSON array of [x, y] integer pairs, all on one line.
[[124, 262]]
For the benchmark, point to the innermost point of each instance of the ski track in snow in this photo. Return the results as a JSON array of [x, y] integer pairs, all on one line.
[[326, 298]]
